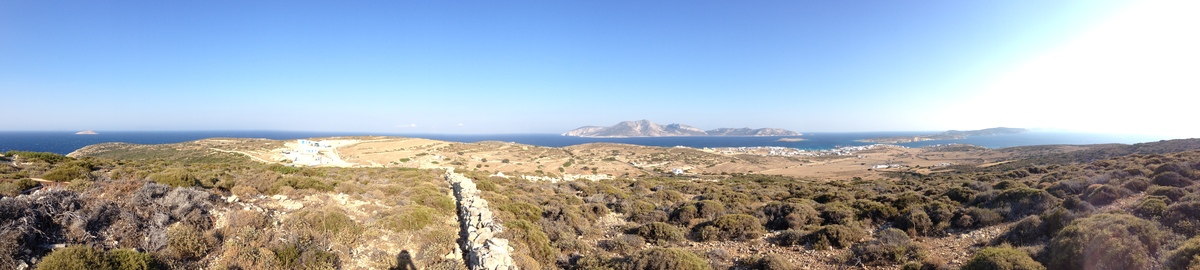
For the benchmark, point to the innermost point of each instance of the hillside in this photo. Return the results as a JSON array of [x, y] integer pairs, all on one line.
[[391, 203], [645, 128]]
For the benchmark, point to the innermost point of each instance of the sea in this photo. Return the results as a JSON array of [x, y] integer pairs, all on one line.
[[64, 142]]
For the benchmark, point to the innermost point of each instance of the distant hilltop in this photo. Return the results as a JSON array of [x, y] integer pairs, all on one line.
[[645, 128], [947, 135], [86, 132]]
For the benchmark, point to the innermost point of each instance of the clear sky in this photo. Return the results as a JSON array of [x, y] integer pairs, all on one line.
[[551, 66]]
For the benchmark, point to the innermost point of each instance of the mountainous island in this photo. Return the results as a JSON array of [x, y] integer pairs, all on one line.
[[947, 135], [645, 128]]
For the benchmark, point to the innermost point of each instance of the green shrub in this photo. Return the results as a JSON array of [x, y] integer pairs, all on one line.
[[875, 211], [624, 244], [1137, 184], [915, 222], [1017, 203], [188, 241], [997, 258], [838, 213], [74, 258], [1172, 193], [684, 213], [782, 216], [974, 217], [1184, 257], [523, 211], [1106, 241], [329, 223], [1101, 195], [960, 194], [1183, 218], [47, 157], [665, 259], [660, 233], [737, 227], [834, 236], [67, 173], [284, 169], [1030, 230], [14, 188], [1008, 184], [1171, 179], [709, 209], [891, 246], [1151, 207], [530, 236], [791, 237], [174, 177], [298, 256], [410, 218], [128, 259]]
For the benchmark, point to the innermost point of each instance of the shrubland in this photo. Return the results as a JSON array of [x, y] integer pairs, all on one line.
[[1131, 207]]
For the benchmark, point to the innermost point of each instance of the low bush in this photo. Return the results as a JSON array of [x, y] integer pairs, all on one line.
[[660, 233], [891, 246], [523, 211], [1019, 202], [409, 218], [839, 214], [174, 177], [1137, 184], [974, 217], [737, 227], [1183, 218], [625, 244], [1171, 179], [14, 188], [1185, 256], [790, 237], [1101, 195], [128, 259], [994, 258], [782, 216], [187, 241], [47, 157], [75, 258], [529, 239], [1151, 207], [1030, 230], [834, 236], [665, 259], [1106, 241], [1172, 193], [915, 223], [875, 211], [67, 173]]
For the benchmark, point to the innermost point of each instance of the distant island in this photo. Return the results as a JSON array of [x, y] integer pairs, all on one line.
[[86, 132], [948, 135], [645, 128]]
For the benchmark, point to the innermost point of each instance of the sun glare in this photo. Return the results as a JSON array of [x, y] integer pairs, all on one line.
[[1133, 73]]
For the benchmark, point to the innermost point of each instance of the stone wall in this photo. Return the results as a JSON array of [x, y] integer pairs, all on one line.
[[482, 249]]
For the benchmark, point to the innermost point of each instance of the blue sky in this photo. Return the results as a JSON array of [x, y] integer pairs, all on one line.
[[550, 66]]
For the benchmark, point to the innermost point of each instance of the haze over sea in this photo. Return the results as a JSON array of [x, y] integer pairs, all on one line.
[[65, 142]]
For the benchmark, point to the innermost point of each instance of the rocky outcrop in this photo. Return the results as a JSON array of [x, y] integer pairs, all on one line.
[[478, 228]]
